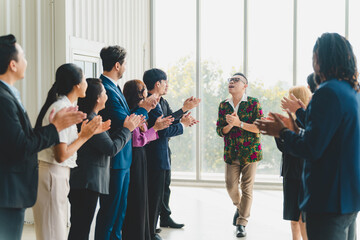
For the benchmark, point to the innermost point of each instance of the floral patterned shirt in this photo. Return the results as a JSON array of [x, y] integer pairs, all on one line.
[[240, 145]]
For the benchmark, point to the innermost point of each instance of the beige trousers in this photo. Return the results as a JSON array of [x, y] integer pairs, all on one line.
[[51, 207], [241, 200]]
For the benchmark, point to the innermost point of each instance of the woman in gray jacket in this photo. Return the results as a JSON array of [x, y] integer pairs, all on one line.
[[92, 176]]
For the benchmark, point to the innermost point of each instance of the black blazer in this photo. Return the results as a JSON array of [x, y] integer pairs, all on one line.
[[157, 152], [93, 171], [19, 145], [167, 111], [291, 166]]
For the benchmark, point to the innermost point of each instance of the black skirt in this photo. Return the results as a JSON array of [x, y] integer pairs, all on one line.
[[292, 188], [136, 223]]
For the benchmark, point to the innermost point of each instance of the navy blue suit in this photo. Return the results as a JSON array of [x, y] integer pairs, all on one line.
[[330, 147], [157, 153], [158, 150], [113, 206]]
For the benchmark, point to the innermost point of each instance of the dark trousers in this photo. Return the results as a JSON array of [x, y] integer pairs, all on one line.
[[11, 223], [331, 226], [165, 210], [83, 205], [112, 210], [156, 181], [136, 223]]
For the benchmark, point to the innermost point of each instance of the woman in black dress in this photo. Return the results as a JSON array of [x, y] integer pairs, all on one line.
[[136, 223], [291, 171]]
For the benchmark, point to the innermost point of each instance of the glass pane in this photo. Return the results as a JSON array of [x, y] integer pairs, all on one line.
[[315, 18], [175, 46], [221, 56], [81, 64], [89, 70], [270, 64], [354, 30]]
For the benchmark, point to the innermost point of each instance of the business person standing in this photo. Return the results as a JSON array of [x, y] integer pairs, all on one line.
[[92, 175], [329, 143], [113, 206], [157, 151], [20, 143]]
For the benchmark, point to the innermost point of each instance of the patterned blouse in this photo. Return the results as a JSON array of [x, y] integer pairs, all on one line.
[[240, 145]]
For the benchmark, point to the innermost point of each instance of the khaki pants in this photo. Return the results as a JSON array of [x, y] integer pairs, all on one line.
[[242, 201], [51, 207]]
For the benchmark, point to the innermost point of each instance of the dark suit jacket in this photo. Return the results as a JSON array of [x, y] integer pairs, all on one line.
[[93, 171], [300, 116], [291, 166], [167, 111], [117, 109], [330, 147], [19, 145], [157, 151]]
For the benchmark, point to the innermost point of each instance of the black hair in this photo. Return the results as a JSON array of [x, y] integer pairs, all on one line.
[[152, 76], [93, 92], [111, 55], [67, 76], [241, 74], [8, 52], [311, 81], [133, 92], [336, 59]]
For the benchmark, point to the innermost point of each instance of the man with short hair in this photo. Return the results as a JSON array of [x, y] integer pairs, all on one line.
[[113, 206], [20, 143], [242, 147], [158, 151], [165, 211]]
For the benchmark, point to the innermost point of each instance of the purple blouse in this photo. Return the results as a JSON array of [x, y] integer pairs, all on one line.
[[140, 139]]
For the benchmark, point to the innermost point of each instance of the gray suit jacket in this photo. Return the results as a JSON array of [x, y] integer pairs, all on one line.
[[93, 171]]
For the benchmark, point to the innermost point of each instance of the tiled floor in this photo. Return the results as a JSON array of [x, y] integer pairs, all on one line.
[[207, 214]]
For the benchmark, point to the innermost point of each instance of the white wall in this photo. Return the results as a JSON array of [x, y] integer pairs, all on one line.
[[50, 32], [44, 28], [122, 22]]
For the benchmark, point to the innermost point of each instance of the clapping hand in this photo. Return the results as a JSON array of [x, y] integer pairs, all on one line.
[[133, 121], [162, 123], [149, 102], [233, 119], [291, 103], [190, 103], [103, 127]]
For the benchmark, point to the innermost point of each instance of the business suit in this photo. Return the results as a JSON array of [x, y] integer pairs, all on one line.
[[165, 210], [157, 153], [113, 206], [19, 145], [92, 177], [330, 147]]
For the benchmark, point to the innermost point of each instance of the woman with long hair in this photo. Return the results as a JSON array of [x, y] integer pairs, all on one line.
[[291, 170], [92, 175], [50, 209], [136, 223]]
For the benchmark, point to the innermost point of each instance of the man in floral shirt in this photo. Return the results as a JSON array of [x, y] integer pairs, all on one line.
[[242, 148]]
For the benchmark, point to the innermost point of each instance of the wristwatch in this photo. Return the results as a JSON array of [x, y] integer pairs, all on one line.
[[241, 124]]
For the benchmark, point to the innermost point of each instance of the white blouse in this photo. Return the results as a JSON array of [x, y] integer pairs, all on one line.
[[67, 135]]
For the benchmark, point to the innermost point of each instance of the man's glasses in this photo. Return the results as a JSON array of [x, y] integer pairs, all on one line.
[[236, 79]]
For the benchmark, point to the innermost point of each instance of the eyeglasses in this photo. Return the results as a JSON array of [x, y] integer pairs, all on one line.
[[236, 79]]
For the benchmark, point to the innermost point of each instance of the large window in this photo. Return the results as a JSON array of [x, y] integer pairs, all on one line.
[[200, 43], [175, 45], [221, 55]]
